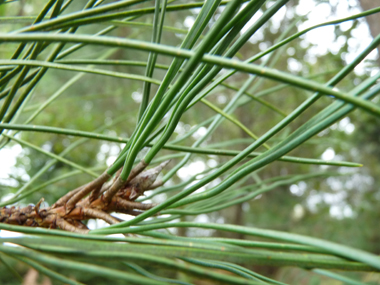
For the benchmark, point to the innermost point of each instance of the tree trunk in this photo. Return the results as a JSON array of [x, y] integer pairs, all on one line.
[[372, 20]]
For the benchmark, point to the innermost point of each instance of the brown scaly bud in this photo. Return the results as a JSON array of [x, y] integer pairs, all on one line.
[[141, 182]]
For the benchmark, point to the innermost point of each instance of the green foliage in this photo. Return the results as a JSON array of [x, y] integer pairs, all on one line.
[[97, 86]]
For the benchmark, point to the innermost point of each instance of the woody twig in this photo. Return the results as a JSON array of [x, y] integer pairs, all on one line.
[[69, 212]]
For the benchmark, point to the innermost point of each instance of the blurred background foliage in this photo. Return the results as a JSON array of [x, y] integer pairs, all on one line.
[[342, 208]]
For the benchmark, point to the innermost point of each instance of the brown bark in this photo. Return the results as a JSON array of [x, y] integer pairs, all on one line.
[[73, 208], [372, 20]]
